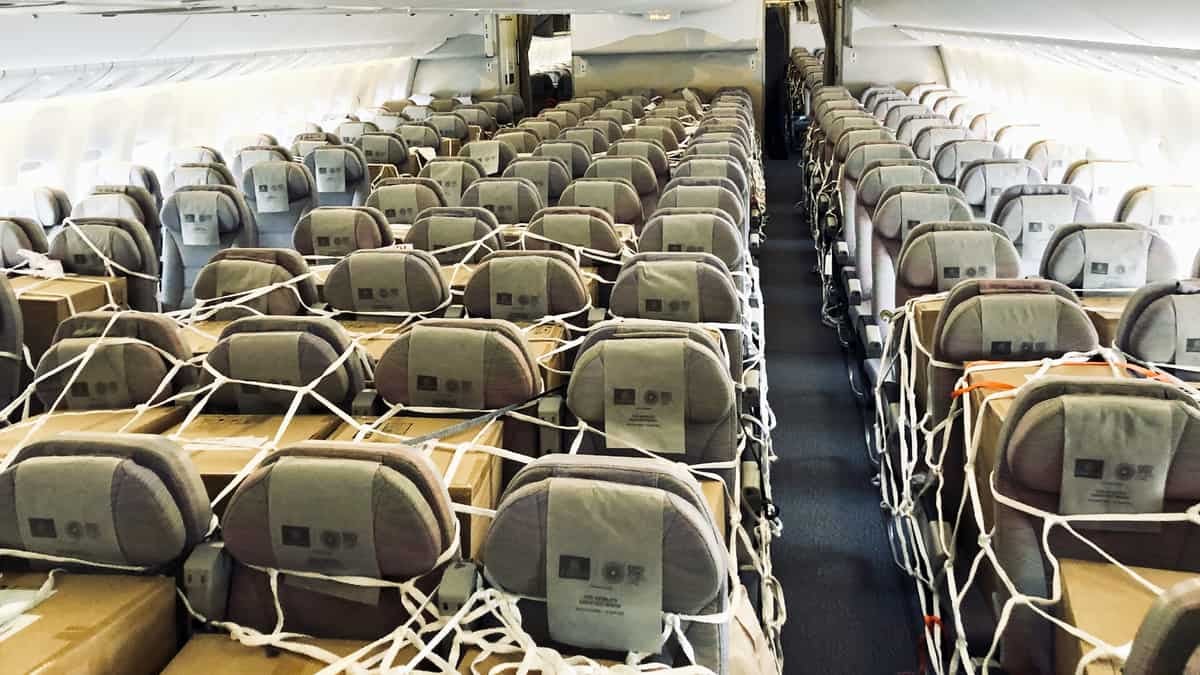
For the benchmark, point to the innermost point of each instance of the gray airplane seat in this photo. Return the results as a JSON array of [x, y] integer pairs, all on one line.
[[515, 103], [572, 153], [118, 247], [712, 192], [686, 287], [576, 230], [615, 196], [124, 201], [12, 344], [636, 170], [234, 274], [678, 131], [419, 135], [1157, 327], [402, 199], [140, 495], [523, 141], [17, 234], [1107, 256], [493, 156], [198, 221], [305, 142], [292, 351], [936, 256], [279, 193], [195, 154], [448, 233], [610, 132], [197, 173], [546, 130], [127, 173], [1053, 158], [1168, 640], [478, 116], [375, 283], [134, 354], [1063, 440], [929, 141], [451, 126], [649, 131], [984, 182], [385, 147], [1171, 210], [340, 175], [511, 200], [1030, 214], [250, 156], [953, 157], [499, 110], [47, 206], [549, 174], [696, 231], [352, 130], [595, 139], [1105, 183], [549, 513], [454, 175], [375, 511], [335, 231], [650, 151], [527, 286]]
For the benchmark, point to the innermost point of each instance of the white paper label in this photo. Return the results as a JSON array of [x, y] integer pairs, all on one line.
[[331, 170]]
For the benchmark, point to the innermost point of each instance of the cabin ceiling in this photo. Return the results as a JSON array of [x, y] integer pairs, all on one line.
[[192, 7]]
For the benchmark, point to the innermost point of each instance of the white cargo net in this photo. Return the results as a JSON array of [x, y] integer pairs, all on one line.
[[912, 451], [428, 639]]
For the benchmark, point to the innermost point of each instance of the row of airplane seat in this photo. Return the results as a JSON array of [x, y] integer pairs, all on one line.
[[429, 426], [1022, 316]]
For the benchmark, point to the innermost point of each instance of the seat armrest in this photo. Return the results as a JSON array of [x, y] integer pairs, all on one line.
[[550, 410], [206, 574], [455, 312]]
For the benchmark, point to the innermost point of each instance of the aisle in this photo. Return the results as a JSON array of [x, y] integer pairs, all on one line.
[[848, 609]]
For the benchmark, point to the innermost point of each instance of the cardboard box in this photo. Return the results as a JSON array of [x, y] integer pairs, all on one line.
[[45, 303], [493, 660], [215, 653], [221, 445], [925, 316], [93, 624], [476, 482], [1107, 603], [457, 276], [991, 417], [542, 340], [152, 421], [201, 336], [1105, 312]]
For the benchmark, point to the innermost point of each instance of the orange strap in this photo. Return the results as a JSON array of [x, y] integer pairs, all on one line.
[[986, 384]]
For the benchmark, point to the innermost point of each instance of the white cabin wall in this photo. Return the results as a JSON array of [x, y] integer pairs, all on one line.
[[52, 141]]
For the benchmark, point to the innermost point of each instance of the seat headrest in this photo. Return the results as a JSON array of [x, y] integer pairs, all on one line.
[[882, 174], [338, 169], [547, 130], [198, 174], [903, 207], [691, 287], [249, 157], [192, 210], [983, 181], [694, 233], [512, 200], [402, 199], [383, 147], [155, 329], [1107, 255], [952, 159], [665, 135], [615, 114], [649, 150], [573, 153], [521, 140], [446, 232], [420, 135], [931, 139], [387, 280], [120, 499], [195, 154], [1155, 326], [46, 205], [93, 243], [525, 286], [1166, 208], [477, 364], [636, 170], [1050, 205], [479, 116], [610, 131], [18, 234], [673, 125], [550, 174], [373, 510], [450, 125], [444, 105], [336, 231], [454, 175], [499, 110], [515, 103], [493, 156], [305, 142], [1166, 641], [867, 152], [119, 373], [573, 226], [563, 118], [350, 131], [272, 186], [615, 196], [594, 138], [936, 256], [1022, 319], [283, 350], [235, 271], [856, 137]]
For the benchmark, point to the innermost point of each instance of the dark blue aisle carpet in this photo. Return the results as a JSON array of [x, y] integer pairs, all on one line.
[[849, 607]]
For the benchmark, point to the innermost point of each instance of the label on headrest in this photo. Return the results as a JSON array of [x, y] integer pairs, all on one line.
[[1187, 329], [500, 198], [322, 519], [520, 288], [270, 188], [573, 229], [621, 167], [334, 233], [398, 203], [350, 132], [959, 256], [272, 358], [193, 175], [449, 176], [305, 147], [645, 395], [537, 173], [77, 522], [1116, 457], [447, 231], [331, 170], [108, 206], [1115, 258], [1018, 326], [375, 148], [234, 277], [599, 194], [487, 153], [709, 168], [1035, 236], [702, 196], [669, 290], [250, 158], [446, 367], [371, 279], [198, 218], [102, 382], [687, 233], [604, 565]]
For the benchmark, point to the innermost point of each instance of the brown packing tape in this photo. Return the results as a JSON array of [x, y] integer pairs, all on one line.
[[476, 482], [95, 624], [45, 303], [1106, 602], [220, 445], [207, 652], [152, 421]]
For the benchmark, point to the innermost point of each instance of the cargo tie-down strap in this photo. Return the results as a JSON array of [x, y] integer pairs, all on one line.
[[1094, 495]]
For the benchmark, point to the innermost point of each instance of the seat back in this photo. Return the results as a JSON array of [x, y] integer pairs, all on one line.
[[45, 205], [281, 350], [549, 174], [547, 130], [571, 228], [665, 135], [402, 199], [1030, 214], [615, 196], [250, 156], [1157, 326], [985, 180], [305, 142], [126, 173], [1107, 255], [902, 208], [911, 126], [952, 159], [451, 234], [499, 111], [1171, 210], [197, 174], [124, 201], [478, 116], [198, 221], [17, 234], [523, 141], [703, 232], [280, 193], [610, 131], [420, 135], [450, 125], [930, 139], [351, 131], [526, 286], [477, 364], [675, 126], [852, 138], [1105, 183], [444, 105], [111, 247], [335, 231], [1016, 139], [936, 256], [340, 174], [512, 200], [651, 151], [514, 102], [234, 273], [637, 171], [712, 166], [493, 156], [388, 281], [868, 151], [1167, 640], [573, 153], [707, 192], [454, 175], [195, 154], [1053, 158]]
